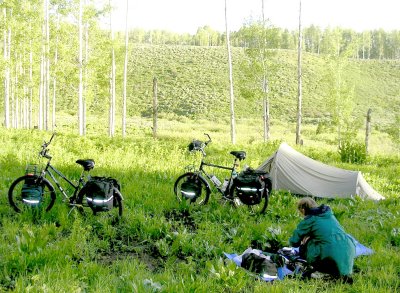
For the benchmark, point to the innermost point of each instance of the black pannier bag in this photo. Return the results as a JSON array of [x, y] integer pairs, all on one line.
[[250, 186], [32, 192], [100, 193], [259, 264]]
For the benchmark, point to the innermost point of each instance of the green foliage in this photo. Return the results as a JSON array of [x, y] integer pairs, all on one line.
[[161, 246], [395, 237], [352, 152], [394, 129]]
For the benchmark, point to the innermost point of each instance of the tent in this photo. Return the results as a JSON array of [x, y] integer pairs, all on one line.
[[299, 174]]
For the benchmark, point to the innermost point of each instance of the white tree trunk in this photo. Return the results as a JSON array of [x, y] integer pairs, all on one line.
[[368, 130], [6, 48], [112, 86], [47, 64], [53, 120], [265, 82], [30, 82], [41, 85], [232, 98], [125, 72], [80, 90], [85, 78], [299, 85], [155, 107], [15, 98]]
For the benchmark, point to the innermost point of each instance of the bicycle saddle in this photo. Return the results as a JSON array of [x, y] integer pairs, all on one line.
[[86, 164], [241, 155]]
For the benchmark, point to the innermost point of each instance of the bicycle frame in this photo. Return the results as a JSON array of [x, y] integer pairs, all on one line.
[[48, 170], [202, 170]]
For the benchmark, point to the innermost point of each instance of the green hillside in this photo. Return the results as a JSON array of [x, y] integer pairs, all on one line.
[[193, 81]]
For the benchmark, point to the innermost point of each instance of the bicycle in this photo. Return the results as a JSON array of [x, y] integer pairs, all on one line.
[[249, 187], [34, 190]]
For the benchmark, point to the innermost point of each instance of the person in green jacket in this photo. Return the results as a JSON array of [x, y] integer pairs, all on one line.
[[323, 241]]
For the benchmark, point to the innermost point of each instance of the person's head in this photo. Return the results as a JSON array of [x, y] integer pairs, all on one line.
[[305, 205]]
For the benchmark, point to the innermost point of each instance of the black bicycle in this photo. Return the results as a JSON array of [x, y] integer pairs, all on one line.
[[34, 190], [249, 187]]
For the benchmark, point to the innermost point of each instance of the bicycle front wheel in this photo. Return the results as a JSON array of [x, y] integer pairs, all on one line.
[[192, 188], [28, 192]]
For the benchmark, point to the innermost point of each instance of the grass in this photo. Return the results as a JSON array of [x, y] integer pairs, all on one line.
[[160, 246]]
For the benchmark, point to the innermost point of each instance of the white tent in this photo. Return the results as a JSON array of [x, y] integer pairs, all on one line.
[[299, 174]]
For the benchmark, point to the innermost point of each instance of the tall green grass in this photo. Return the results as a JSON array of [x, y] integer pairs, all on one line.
[[161, 246]]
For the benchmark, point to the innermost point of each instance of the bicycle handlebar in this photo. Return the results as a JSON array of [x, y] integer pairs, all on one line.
[[44, 150], [205, 144], [51, 138], [209, 139]]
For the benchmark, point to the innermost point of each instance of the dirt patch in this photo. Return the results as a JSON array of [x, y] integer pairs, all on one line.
[[182, 217], [145, 253]]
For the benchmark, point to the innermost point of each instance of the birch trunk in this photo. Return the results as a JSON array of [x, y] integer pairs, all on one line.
[[265, 83], [53, 120], [299, 85], [30, 84], [85, 77], [47, 69], [232, 99], [112, 91], [125, 73], [6, 46], [368, 130], [155, 108], [80, 90]]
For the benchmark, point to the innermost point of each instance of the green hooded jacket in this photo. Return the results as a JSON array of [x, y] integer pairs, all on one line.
[[329, 248]]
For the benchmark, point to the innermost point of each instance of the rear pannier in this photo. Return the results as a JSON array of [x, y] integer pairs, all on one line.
[[100, 193], [251, 185]]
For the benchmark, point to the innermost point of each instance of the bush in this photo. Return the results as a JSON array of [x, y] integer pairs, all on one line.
[[352, 152]]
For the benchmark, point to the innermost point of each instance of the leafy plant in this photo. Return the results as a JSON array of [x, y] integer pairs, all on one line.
[[179, 249], [352, 152], [395, 237]]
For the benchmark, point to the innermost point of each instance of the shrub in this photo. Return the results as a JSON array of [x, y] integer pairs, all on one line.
[[352, 152]]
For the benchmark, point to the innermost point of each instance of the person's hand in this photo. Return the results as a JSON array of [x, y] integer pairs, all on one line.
[[304, 240]]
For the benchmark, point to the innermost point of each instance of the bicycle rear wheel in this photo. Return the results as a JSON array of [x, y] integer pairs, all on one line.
[[31, 191], [258, 208], [192, 188]]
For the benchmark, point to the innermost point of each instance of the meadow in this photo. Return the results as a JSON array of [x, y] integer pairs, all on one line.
[[161, 246]]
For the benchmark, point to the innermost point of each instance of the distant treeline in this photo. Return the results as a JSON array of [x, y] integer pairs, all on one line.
[[58, 57], [371, 44]]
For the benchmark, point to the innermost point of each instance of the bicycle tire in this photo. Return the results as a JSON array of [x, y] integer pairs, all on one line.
[[20, 203], [204, 190], [81, 202], [259, 208]]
